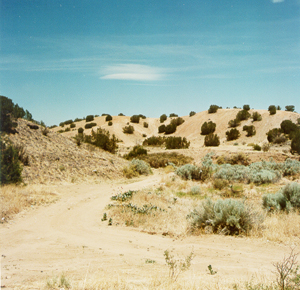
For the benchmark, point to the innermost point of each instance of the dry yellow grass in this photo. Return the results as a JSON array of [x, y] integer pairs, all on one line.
[[16, 198]]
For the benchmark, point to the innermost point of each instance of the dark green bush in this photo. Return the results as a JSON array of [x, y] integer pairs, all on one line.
[[256, 116], [234, 123], [135, 119], [90, 125], [177, 121], [278, 108], [146, 125], [238, 158], [246, 107], [173, 115], [128, 129], [62, 124], [189, 172], [192, 113], [121, 114], [272, 110], [163, 118], [137, 151], [295, 144], [290, 108], [233, 134], [154, 141], [110, 123], [208, 128], [142, 116], [256, 147], [68, 122], [273, 134], [287, 126], [177, 143], [162, 129], [211, 140], [80, 130], [67, 129], [10, 168], [72, 125], [170, 129], [213, 109], [89, 118], [243, 115], [78, 119], [108, 118], [250, 130]]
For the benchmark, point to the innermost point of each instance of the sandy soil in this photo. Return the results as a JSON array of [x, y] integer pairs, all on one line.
[[69, 236]]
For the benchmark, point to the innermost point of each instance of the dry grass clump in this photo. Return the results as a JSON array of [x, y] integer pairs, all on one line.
[[16, 198]]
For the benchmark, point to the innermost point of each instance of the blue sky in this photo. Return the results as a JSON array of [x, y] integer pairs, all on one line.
[[63, 59]]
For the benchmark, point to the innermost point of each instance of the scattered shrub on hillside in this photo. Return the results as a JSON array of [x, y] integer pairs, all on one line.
[[208, 128], [272, 110], [265, 147], [295, 144], [227, 217], [273, 134], [173, 115], [220, 184], [176, 143], [243, 115], [298, 121], [80, 130], [246, 107], [136, 151], [278, 108], [213, 109], [233, 134], [128, 129], [89, 118], [154, 141], [62, 124], [146, 125], [290, 108], [162, 129], [189, 172], [256, 116], [139, 166], [135, 119], [101, 138], [163, 118], [256, 147], [238, 158], [286, 198], [121, 114], [287, 126], [211, 140], [110, 123], [192, 113], [78, 119], [234, 123], [67, 129], [72, 125], [170, 129], [164, 159], [177, 122], [250, 130], [108, 118], [90, 125], [10, 167], [68, 122]]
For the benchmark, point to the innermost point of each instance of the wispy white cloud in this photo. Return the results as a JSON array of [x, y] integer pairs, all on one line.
[[134, 72], [277, 1]]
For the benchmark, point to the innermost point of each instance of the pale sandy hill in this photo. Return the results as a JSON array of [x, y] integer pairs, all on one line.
[[191, 128]]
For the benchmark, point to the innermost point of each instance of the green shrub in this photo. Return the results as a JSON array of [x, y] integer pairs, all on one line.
[[192, 113], [142, 116], [7, 108], [195, 190], [68, 122], [62, 124], [275, 201], [154, 141], [177, 121], [290, 108], [256, 147], [213, 109], [163, 118], [220, 183], [121, 114], [162, 129], [291, 192], [228, 216], [238, 158], [135, 119], [146, 125], [246, 107], [80, 130], [140, 166], [295, 144], [243, 115], [250, 130], [272, 110], [273, 134], [10, 167], [173, 115], [170, 129], [233, 134], [208, 128], [72, 125], [211, 140], [176, 143], [234, 123], [67, 129], [78, 119], [137, 151], [298, 121], [278, 108], [128, 129], [256, 116], [287, 126], [189, 172], [108, 118], [89, 118], [110, 123], [90, 125]]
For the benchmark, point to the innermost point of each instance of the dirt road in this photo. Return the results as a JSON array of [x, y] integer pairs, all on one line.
[[69, 237]]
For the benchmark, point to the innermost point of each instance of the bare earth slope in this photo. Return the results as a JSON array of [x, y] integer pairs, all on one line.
[[69, 237]]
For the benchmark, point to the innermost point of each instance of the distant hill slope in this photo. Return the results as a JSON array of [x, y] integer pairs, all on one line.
[[191, 128], [56, 158]]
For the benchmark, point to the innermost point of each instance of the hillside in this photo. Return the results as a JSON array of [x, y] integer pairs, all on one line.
[[191, 128], [56, 158]]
